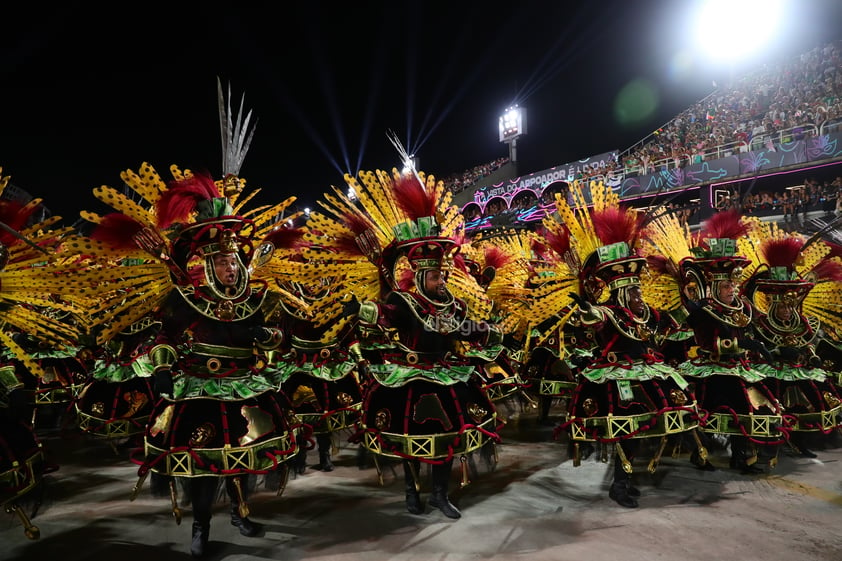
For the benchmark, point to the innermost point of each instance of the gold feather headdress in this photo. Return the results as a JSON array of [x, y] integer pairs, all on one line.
[[393, 226], [32, 277]]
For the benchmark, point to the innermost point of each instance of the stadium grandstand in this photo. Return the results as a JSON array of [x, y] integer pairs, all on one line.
[[770, 144]]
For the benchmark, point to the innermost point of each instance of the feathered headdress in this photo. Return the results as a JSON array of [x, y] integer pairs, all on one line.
[[595, 241], [715, 256], [31, 276], [145, 248], [787, 268]]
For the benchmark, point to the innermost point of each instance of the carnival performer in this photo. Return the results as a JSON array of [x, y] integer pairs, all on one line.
[[708, 275], [220, 416], [558, 345], [794, 290], [318, 371], [63, 370], [115, 403], [626, 392], [500, 265], [392, 247], [25, 290]]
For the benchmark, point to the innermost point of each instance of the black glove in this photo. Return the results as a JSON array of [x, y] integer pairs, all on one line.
[[351, 308], [25, 341], [582, 302], [757, 347], [162, 382], [789, 354], [260, 334], [580, 360]]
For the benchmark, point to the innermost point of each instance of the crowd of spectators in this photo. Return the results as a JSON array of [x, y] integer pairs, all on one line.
[[776, 103], [468, 178], [793, 203]]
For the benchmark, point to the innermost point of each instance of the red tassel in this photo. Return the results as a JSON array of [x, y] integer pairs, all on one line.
[[117, 231], [181, 198], [14, 216], [287, 238]]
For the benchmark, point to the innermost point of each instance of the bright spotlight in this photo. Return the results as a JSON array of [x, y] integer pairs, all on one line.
[[352, 195], [512, 123], [730, 30]]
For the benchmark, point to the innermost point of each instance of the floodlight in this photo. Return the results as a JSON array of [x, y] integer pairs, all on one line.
[[735, 29], [512, 123]]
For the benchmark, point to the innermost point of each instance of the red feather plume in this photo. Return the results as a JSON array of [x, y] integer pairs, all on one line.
[[287, 238], [117, 231], [557, 241], [661, 264], [406, 280], [541, 249], [357, 224], [828, 270], [614, 225], [835, 249], [781, 252], [459, 262], [13, 215], [180, 199], [496, 257], [413, 197], [724, 225]]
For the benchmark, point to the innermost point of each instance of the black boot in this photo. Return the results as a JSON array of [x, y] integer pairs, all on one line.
[[246, 526], [202, 492], [743, 457], [299, 464], [325, 443], [621, 491], [544, 411], [439, 498], [797, 441], [701, 464], [362, 457], [201, 530], [413, 499]]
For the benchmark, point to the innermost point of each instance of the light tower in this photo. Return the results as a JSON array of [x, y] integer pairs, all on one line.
[[512, 125]]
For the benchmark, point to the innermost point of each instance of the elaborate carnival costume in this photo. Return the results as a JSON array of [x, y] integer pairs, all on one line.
[[61, 372], [115, 403], [557, 343], [424, 401], [795, 289], [704, 272], [220, 415], [28, 280], [500, 265], [626, 392], [318, 369]]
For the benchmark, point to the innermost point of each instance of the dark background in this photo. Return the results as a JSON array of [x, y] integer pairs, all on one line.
[[89, 92]]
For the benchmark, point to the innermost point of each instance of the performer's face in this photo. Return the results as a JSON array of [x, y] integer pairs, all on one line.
[[726, 291], [636, 303], [226, 268], [783, 311], [434, 285]]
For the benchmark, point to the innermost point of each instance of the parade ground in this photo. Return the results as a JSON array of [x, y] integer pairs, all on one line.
[[535, 504]]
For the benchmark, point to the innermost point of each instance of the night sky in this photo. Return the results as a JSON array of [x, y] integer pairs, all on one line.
[[88, 93]]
